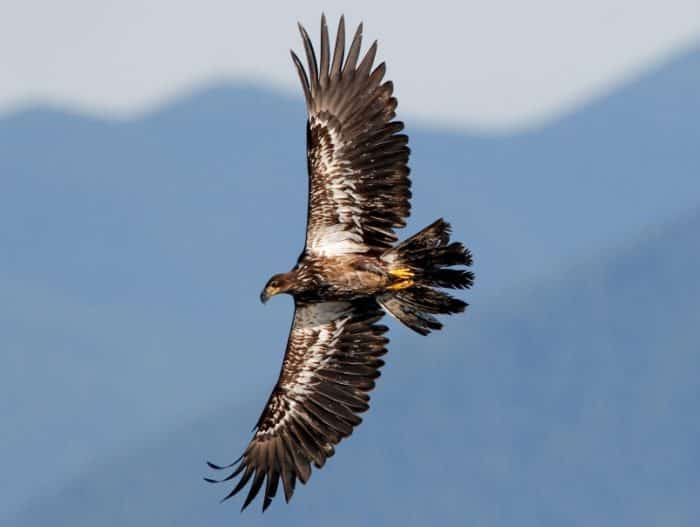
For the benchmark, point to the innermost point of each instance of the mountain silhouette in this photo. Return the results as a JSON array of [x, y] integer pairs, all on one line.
[[573, 404]]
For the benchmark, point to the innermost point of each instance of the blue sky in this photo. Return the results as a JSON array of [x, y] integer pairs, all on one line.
[[481, 65]]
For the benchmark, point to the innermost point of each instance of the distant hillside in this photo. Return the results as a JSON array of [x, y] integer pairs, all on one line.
[[573, 404], [132, 253]]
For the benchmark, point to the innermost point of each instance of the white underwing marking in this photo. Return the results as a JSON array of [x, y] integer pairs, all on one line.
[[329, 240]]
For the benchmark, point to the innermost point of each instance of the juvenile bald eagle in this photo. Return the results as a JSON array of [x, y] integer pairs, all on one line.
[[350, 271]]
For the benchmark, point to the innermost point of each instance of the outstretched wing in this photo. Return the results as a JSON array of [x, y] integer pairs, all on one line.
[[357, 159], [331, 362]]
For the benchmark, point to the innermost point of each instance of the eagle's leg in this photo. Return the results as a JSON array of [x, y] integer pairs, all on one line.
[[403, 284], [404, 273], [405, 278]]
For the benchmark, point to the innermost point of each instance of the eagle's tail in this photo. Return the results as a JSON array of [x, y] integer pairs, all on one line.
[[419, 265]]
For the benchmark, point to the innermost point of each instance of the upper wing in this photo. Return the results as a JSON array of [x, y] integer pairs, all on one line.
[[357, 161], [331, 362]]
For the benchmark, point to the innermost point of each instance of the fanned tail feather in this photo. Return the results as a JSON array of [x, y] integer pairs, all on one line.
[[423, 263]]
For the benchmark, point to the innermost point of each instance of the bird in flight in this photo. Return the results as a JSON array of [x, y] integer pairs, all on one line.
[[350, 272]]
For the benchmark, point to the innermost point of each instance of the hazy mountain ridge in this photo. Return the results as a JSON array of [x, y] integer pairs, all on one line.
[[131, 267], [575, 394]]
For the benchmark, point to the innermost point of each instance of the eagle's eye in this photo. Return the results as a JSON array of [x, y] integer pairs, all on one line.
[[274, 283]]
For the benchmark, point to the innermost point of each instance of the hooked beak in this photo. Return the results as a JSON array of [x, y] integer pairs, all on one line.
[[267, 293]]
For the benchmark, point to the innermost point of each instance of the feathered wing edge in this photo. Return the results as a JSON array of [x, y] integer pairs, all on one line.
[[342, 71], [359, 178], [328, 370]]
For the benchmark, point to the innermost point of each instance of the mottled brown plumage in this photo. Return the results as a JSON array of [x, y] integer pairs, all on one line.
[[350, 271]]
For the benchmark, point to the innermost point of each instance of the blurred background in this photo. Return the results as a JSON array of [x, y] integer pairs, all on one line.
[[152, 177]]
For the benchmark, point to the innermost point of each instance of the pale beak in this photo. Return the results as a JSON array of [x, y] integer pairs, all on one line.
[[268, 293]]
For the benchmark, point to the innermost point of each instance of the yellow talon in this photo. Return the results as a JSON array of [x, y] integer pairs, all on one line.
[[403, 284], [403, 273]]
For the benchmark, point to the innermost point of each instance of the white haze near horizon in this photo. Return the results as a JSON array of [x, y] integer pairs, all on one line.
[[481, 65]]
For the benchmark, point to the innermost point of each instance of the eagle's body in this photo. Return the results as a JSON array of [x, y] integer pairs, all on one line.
[[351, 270], [347, 277]]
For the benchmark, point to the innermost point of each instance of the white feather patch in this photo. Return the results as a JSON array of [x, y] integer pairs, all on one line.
[[316, 331], [344, 234]]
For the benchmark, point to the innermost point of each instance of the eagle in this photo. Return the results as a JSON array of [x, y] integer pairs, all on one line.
[[351, 272]]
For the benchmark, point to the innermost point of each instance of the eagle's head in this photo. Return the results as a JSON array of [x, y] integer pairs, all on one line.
[[279, 283]]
